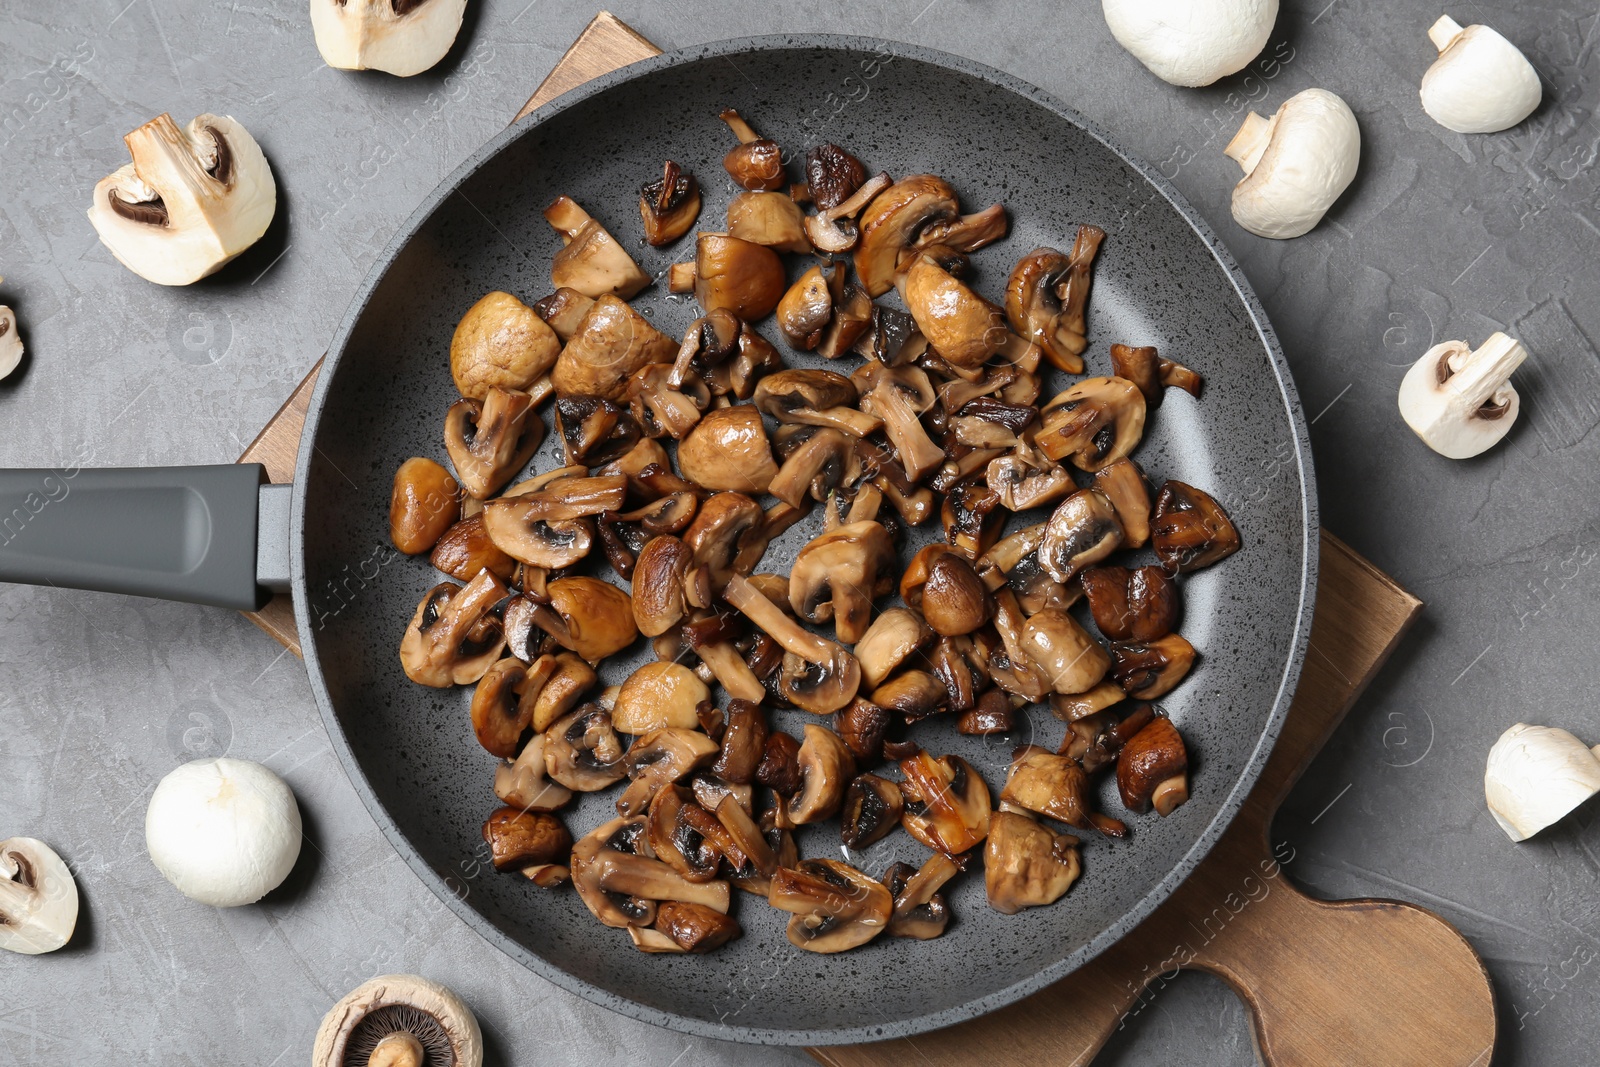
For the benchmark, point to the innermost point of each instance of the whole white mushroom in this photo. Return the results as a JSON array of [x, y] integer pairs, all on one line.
[[1481, 82], [1535, 776], [1296, 164], [1191, 42], [224, 831]]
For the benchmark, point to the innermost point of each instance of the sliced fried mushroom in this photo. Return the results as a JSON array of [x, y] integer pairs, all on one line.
[[963, 327], [1149, 669], [814, 398], [661, 593], [524, 783], [38, 898], [563, 311], [549, 527], [425, 503], [519, 839], [1124, 485], [1082, 531], [1152, 768], [594, 430], [501, 343], [660, 758], [818, 675], [1024, 479], [972, 517], [899, 396], [806, 309], [695, 927], [838, 573], [832, 175], [872, 808], [728, 449], [190, 202], [914, 212], [833, 229], [500, 714], [1025, 865], [1094, 423], [591, 617], [399, 1020], [1071, 660], [947, 803], [591, 261], [455, 634], [863, 726], [659, 695], [1053, 785], [914, 694], [755, 163], [744, 741], [835, 906], [920, 910], [662, 409], [592, 858], [1136, 605], [816, 462], [611, 342], [489, 441], [992, 713], [465, 549], [1082, 705], [826, 767], [582, 751], [669, 205], [676, 831], [1046, 296], [771, 219], [1190, 529], [952, 597], [728, 536], [735, 275]]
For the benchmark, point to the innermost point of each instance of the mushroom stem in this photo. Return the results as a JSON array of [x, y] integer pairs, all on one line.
[[1444, 32], [622, 872], [764, 613], [731, 671], [1250, 143], [1479, 375]]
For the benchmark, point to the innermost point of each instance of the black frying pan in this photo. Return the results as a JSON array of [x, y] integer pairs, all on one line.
[[1162, 278]]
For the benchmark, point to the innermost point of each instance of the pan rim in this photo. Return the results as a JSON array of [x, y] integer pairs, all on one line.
[[451, 896]]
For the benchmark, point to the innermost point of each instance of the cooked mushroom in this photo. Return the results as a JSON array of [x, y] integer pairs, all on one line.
[[806, 309], [826, 767], [1054, 785], [624, 534], [519, 839], [612, 342], [915, 212], [960, 325], [899, 396], [814, 398], [872, 808], [1071, 660], [833, 229], [500, 711], [891, 338], [992, 713], [38, 898], [1190, 529], [892, 638], [500, 343], [619, 837], [582, 751], [669, 205], [1124, 485], [729, 450], [920, 910], [756, 163], [1082, 531], [818, 675], [662, 409], [490, 440], [563, 311], [1094, 423], [1137, 605], [771, 219], [524, 783], [1024, 479], [728, 536], [594, 430], [863, 726], [832, 175], [914, 693], [735, 275], [972, 517], [660, 758], [680, 834], [591, 617], [816, 462], [455, 633], [838, 573], [1012, 666], [190, 202], [695, 927], [425, 502], [465, 549], [1149, 669], [399, 1020], [1152, 768], [835, 906], [661, 594], [947, 804], [657, 695], [1025, 865], [948, 591], [1071, 708], [548, 527], [1046, 297], [744, 742], [592, 261]]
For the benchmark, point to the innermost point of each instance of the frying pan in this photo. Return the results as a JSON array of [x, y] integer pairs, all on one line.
[[214, 535]]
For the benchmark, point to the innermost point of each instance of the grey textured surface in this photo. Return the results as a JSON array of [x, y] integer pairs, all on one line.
[[1442, 236]]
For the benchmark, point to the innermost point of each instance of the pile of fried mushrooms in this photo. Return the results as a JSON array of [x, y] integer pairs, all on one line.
[[685, 459]]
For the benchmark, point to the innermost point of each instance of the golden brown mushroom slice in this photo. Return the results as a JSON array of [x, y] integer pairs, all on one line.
[[1139, 604], [465, 549], [1149, 669], [501, 343], [525, 784], [679, 838], [744, 740], [658, 695], [662, 409], [872, 808], [825, 767], [590, 857], [899, 396], [767, 218], [1049, 784], [592, 262], [519, 839], [838, 573], [591, 617], [1082, 531], [563, 311], [963, 327], [834, 906], [669, 205], [489, 441], [502, 707], [660, 758], [920, 910], [806, 309], [1093, 423], [818, 675], [582, 751], [612, 341], [1124, 484], [892, 638], [1070, 660], [1025, 865], [1190, 530], [695, 927], [424, 503], [455, 634], [916, 212], [661, 592], [814, 398], [1152, 768], [399, 1019], [947, 803]]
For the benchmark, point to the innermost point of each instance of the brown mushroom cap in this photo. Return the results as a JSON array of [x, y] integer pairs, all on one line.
[[500, 342], [1190, 529], [500, 714], [1069, 658], [519, 839], [920, 911], [612, 342], [1152, 766], [728, 536], [744, 742], [947, 803], [669, 205], [1042, 781], [767, 218], [1033, 307], [657, 695], [893, 221], [959, 324], [728, 449], [659, 594], [1025, 865], [1149, 669], [591, 261], [695, 927], [893, 636], [954, 600], [806, 309], [1082, 531], [466, 548], [590, 861], [738, 276], [835, 906], [595, 617], [1124, 485], [826, 767], [425, 503]]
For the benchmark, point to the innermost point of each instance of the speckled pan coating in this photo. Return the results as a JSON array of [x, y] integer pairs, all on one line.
[[1162, 278]]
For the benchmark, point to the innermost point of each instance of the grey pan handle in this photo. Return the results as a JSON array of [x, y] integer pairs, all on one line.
[[208, 535]]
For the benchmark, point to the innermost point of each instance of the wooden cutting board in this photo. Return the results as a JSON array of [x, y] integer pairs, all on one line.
[[1337, 983]]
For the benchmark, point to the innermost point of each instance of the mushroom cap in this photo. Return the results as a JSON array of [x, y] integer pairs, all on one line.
[[10, 341], [659, 695], [500, 341], [1025, 865], [1461, 402], [224, 831], [398, 1002], [1481, 82], [959, 324], [371, 35], [1313, 146], [1535, 775], [38, 898], [612, 342], [1191, 42], [728, 450], [599, 616]]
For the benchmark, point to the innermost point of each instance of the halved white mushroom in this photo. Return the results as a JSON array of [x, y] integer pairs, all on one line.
[[1296, 164], [1536, 775], [38, 898], [191, 200], [1481, 82], [1460, 401], [402, 37], [1191, 42], [10, 341]]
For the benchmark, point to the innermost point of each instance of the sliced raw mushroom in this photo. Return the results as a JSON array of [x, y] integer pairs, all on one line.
[[1071, 660], [38, 898], [872, 808], [920, 910], [190, 202], [729, 450], [833, 229], [519, 839], [1094, 423], [1082, 531], [424, 503], [738, 276], [818, 675], [669, 205], [1025, 865], [501, 343], [455, 633], [1535, 776], [826, 767], [591, 260], [1296, 164], [838, 573], [695, 927], [1152, 768], [963, 327], [612, 342], [582, 751], [525, 784], [661, 758], [756, 162], [11, 343], [947, 803], [913, 213], [1046, 298], [399, 1020], [659, 695], [396, 36], [1125, 486], [771, 219], [834, 906], [489, 441], [1460, 401], [1149, 669], [1190, 530], [1055, 786]]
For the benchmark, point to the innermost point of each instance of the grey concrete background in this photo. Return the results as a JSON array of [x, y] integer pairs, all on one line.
[[1442, 236]]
